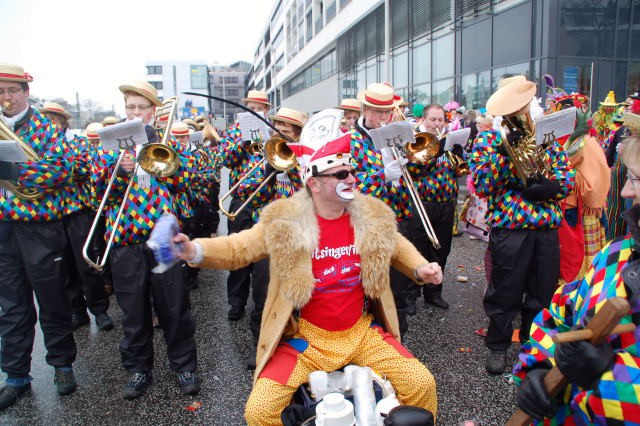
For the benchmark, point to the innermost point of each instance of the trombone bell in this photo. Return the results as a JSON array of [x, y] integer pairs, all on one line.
[[424, 148], [158, 160]]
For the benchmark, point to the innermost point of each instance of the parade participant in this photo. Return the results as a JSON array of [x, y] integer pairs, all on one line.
[[330, 249], [239, 159], [524, 238], [110, 120], [438, 189], [134, 282], [352, 110], [603, 386], [32, 242], [85, 287], [603, 117]]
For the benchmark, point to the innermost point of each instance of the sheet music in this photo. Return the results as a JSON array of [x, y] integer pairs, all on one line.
[[558, 124], [457, 137], [252, 128], [322, 128], [123, 135], [195, 139], [395, 134], [10, 151]]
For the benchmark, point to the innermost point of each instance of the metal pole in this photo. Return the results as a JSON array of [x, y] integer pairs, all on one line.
[[387, 42], [591, 88], [224, 104], [78, 124]]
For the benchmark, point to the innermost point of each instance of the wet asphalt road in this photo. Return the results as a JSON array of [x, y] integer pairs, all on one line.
[[465, 390]]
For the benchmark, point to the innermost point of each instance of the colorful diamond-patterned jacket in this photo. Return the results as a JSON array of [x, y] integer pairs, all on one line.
[[49, 175], [183, 200], [495, 178], [148, 199], [235, 154], [436, 180], [615, 400], [78, 195]]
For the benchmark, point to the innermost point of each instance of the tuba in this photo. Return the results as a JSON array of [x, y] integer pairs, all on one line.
[[25, 194], [527, 158]]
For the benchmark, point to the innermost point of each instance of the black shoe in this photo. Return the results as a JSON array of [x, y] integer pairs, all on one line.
[[65, 381], [411, 309], [235, 313], [138, 383], [189, 383], [10, 394], [496, 362], [438, 302], [251, 359], [104, 321], [78, 319]]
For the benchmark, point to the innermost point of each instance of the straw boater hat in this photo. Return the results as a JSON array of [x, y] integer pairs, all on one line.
[[291, 116], [257, 96], [610, 100], [11, 72], [92, 130], [109, 120], [191, 123], [180, 129], [511, 96], [378, 95], [54, 108], [631, 121], [143, 89], [350, 104]]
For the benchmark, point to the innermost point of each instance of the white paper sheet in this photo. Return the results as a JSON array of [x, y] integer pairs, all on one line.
[[12, 152], [395, 134], [253, 128], [558, 124], [125, 135], [457, 137], [195, 140]]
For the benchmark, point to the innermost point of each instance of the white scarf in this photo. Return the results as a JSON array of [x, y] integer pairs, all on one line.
[[144, 178], [11, 121]]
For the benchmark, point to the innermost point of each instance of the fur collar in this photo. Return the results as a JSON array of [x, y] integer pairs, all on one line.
[[292, 234]]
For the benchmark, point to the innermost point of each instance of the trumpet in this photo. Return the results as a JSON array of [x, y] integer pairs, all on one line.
[[25, 194], [278, 155], [157, 159]]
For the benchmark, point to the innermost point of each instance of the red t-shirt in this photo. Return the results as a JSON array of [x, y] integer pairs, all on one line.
[[338, 299]]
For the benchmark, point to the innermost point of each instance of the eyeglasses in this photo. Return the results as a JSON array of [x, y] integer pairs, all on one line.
[[633, 179], [340, 175], [140, 107], [12, 91]]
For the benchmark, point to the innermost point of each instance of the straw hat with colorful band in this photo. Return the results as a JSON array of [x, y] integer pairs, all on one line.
[[350, 104], [511, 97], [54, 108], [110, 120], [92, 130], [377, 95], [143, 89], [257, 96], [11, 72], [610, 100], [291, 116], [180, 129]]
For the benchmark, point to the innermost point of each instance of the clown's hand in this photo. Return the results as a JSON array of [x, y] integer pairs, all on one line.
[[430, 273]]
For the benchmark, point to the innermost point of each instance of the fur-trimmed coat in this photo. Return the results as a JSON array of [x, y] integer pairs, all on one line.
[[288, 234]]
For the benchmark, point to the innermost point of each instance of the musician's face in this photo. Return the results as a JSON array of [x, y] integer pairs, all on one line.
[[434, 120], [631, 188], [57, 119], [351, 117], [258, 107], [375, 117], [14, 97], [184, 140], [287, 129], [137, 106]]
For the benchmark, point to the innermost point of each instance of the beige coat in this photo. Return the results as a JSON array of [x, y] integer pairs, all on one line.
[[288, 234]]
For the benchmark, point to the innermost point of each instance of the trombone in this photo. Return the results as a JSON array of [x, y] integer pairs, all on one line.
[[157, 159], [278, 155]]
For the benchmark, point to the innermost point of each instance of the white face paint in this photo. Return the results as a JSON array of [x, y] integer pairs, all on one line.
[[344, 191]]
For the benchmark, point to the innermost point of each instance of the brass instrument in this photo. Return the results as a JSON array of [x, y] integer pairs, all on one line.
[[208, 131], [157, 159], [278, 155], [26, 194], [527, 158]]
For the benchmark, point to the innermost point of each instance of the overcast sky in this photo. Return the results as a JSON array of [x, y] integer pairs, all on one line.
[[92, 47]]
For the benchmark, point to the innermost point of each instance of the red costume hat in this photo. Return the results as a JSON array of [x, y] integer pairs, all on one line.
[[332, 154]]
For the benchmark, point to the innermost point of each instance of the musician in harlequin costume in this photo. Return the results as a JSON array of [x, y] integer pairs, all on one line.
[[134, 282], [524, 238], [237, 156], [604, 379], [289, 122], [85, 286], [352, 110], [603, 118], [32, 242], [437, 182], [325, 237]]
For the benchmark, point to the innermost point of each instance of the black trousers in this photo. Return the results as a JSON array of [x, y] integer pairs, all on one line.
[[32, 261], [213, 217], [441, 216], [239, 281], [259, 287], [197, 226], [85, 286], [135, 285], [525, 265]]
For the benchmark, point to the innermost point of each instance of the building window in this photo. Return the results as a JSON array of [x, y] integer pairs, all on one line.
[[509, 71], [232, 92], [587, 28], [154, 69], [443, 55], [331, 10], [475, 89], [199, 77], [422, 94], [442, 91], [156, 84], [401, 69], [422, 63]]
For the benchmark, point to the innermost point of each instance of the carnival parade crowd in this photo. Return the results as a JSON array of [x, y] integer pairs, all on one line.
[[331, 246]]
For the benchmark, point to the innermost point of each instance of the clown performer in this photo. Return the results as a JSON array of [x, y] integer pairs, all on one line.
[[603, 388], [330, 249], [603, 118]]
